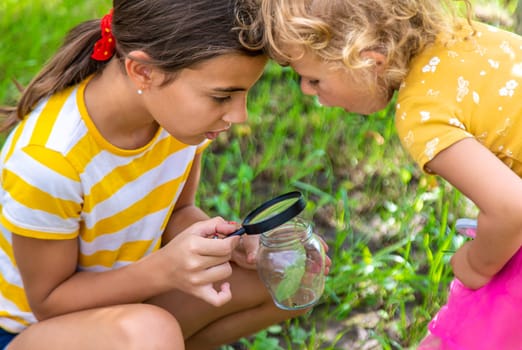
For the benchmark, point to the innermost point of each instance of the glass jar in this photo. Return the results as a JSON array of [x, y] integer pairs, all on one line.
[[291, 263]]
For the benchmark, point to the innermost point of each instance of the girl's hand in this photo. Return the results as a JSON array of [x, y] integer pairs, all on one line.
[[245, 254], [327, 260], [194, 261], [463, 270]]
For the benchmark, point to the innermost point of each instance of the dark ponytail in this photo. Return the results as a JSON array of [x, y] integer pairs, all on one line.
[[70, 65]]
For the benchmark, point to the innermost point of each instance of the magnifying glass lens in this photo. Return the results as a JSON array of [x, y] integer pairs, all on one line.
[[272, 213]]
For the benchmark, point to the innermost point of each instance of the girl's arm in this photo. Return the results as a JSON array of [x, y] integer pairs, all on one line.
[[497, 192], [192, 263], [185, 211]]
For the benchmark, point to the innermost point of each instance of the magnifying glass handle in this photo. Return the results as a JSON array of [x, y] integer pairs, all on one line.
[[237, 233]]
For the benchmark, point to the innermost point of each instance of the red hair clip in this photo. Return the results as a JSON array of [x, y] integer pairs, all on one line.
[[104, 48]]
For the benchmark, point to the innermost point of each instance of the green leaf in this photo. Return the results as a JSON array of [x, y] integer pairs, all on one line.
[[293, 275]]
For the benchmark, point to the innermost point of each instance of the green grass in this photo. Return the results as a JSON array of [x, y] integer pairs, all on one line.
[[32, 31], [388, 226]]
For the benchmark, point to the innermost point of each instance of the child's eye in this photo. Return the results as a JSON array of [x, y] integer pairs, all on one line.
[[221, 99], [311, 82]]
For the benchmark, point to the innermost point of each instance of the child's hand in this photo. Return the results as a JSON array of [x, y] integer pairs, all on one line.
[[245, 254], [327, 260], [194, 261], [463, 270]]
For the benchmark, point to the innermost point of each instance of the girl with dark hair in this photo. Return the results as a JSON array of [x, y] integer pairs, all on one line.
[[101, 244]]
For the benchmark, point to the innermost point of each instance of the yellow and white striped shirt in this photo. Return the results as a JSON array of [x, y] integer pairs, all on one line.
[[60, 179]]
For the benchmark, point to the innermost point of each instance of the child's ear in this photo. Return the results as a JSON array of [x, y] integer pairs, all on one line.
[[139, 72], [378, 58]]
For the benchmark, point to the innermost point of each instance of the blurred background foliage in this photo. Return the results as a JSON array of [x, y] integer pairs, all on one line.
[[389, 227]]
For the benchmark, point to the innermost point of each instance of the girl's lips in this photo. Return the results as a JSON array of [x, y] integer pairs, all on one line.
[[212, 135]]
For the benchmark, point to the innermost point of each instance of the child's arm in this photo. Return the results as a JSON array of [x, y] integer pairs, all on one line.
[[185, 211], [192, 264], [497, 192]]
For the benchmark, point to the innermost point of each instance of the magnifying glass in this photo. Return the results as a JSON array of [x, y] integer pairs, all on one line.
[[271, 214]]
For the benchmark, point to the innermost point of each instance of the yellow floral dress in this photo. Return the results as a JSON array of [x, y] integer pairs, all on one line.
[[469, 88]]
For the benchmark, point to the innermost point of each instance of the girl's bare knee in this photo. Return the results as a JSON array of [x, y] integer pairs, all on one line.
[[145, 326]]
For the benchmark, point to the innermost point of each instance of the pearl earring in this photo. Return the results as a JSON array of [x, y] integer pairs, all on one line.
[[140, 92]]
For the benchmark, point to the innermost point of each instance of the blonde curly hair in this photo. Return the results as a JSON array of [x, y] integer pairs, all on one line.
[[338, 31]]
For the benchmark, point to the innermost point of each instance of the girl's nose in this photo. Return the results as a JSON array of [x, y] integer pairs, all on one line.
[[306, 87], [238, 113]]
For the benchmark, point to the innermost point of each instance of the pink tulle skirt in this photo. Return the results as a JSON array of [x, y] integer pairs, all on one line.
[[489, 318]]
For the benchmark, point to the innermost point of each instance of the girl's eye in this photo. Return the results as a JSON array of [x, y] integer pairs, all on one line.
[[311, 82], [221, 99]]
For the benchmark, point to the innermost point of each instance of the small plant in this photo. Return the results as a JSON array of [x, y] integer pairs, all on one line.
[[293, 274]]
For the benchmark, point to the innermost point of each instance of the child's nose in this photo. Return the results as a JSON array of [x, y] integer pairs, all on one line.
[[307, 88], [238, 114]]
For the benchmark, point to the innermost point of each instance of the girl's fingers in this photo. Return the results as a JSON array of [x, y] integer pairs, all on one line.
[[211, 227], [251, 247], [210, 292], [215, 273], [225, 228], [216, 247], [215, 297], [206, 228], [327, 265]]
